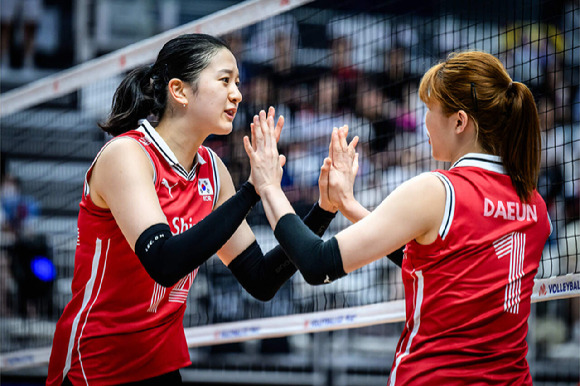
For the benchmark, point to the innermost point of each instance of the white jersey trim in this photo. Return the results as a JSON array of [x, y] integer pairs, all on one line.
[[216, 175], [449, 205], [484, 161], [86, 297], [167, 153], [418, 301], [87, 189]]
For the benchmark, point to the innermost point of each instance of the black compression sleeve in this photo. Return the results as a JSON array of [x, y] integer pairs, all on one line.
[[263, 275], [318, 261], [318, 220], [168, 258]]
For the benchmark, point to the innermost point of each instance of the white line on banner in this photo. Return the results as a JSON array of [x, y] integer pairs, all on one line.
[[140, 53]]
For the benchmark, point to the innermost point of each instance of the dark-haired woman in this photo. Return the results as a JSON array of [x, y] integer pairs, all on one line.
[[474, 234], [156, 204]]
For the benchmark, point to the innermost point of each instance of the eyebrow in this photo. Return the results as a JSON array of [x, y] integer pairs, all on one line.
[[227, 71]]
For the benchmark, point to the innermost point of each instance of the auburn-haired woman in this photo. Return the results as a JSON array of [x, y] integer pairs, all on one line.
[[474, 234]]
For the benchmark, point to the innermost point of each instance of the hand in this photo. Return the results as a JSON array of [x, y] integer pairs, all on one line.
[[323, 186], [279, 124], [265, 161], [343, 169]]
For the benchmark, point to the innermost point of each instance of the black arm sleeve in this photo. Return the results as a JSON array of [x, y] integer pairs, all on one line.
[[318, 261], [263, 275], [397, 256], [168, 258]]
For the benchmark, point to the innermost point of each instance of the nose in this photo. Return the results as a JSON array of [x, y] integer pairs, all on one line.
[[235, 94]]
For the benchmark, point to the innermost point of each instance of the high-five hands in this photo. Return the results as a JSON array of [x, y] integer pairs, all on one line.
[[338, 171], [265, 161]]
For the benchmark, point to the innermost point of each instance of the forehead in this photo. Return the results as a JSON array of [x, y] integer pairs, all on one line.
[[223, 62]]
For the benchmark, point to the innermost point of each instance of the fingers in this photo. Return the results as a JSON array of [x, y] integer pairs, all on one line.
[[253, 135], [355, 165], [279, 126], [282, 160], [248, 147], [267, 126], [323, 181], [268, 119], [325, 168], [257, 132], [353, 143], [335, 144], [342, 133]]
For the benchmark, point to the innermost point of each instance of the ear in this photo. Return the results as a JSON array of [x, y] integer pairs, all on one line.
[[462, 119], [177, 89]]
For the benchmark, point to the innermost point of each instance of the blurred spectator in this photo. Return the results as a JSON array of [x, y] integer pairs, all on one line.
[[31, 268], [284, 53], [18, 209], [346, 73], [13, 13]]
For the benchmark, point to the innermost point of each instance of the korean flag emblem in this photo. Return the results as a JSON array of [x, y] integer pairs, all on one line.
[[204, 187]]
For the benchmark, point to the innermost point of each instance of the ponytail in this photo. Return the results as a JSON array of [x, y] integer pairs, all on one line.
[[144, 91], [133, 100], [520, 149]]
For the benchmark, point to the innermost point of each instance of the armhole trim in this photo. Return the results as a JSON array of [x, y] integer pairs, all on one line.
[[86, 189], [449, 205]]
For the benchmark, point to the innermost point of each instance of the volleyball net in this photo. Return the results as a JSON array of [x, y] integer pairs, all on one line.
[[322, 64]]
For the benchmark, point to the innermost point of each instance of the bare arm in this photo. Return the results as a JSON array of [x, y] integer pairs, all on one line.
[[408, 213], [122, 181]]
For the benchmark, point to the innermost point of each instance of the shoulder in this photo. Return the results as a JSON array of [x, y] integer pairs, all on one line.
[[123, 153], [424, 203], [125, 149], [423, 185]]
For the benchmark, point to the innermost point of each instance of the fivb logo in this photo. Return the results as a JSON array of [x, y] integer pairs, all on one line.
[[204, 187]]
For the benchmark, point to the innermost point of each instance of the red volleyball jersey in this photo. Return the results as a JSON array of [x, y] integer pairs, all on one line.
[[468, 294], [121, 326]]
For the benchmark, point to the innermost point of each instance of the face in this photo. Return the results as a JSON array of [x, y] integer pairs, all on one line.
[[214, 105], [440, 129]]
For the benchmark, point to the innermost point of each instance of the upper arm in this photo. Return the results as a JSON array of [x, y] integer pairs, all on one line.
[[413, 211], [122, 180], [243, 236]]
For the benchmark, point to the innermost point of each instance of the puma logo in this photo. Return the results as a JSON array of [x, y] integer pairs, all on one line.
[[166, 184]]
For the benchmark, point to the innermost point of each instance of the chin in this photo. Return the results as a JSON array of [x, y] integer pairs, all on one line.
[[224, 130]]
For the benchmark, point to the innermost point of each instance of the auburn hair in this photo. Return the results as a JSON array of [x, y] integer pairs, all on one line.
[[504, 111]]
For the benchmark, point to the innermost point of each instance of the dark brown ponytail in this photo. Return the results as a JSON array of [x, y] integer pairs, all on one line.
[[521, 146]]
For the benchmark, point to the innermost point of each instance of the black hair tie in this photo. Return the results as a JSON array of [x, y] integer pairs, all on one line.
[[474, 96]]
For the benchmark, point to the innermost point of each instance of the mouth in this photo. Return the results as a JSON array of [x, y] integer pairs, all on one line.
[[231, 113]]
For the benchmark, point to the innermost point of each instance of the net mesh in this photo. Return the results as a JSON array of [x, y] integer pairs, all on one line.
[[322, 64]]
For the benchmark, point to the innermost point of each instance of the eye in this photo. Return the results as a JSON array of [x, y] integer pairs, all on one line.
[[225, 80]]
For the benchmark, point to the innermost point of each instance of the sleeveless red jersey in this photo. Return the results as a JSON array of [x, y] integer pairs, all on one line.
[[121, 326], [467, 295]]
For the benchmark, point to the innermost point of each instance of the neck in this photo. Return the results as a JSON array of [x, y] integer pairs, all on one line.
[[463, 150], [183, 140]]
